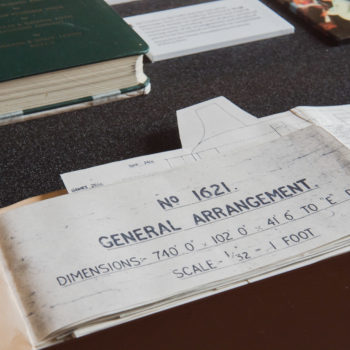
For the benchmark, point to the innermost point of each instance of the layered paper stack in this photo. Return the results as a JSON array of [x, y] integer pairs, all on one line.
[[89, 260]]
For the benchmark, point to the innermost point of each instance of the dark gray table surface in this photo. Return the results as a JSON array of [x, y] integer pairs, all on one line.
[[303, 309], [263, 77]]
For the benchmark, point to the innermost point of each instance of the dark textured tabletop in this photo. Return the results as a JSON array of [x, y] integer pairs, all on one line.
[[303, 309]]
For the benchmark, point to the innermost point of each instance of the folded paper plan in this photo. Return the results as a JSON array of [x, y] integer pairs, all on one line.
[[148, 244]]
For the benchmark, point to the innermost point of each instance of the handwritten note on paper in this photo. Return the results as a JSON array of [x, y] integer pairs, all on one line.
[[214, 223], [113, 172], [197, 28]]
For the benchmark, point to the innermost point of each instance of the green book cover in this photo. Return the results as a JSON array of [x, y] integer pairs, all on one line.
[[39, 36]]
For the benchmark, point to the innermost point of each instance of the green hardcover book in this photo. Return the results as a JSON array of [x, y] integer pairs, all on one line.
[[56, 53]]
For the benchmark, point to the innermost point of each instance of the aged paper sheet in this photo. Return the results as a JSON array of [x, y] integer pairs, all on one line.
[[122, 247], [206, 130], [13, 334]]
